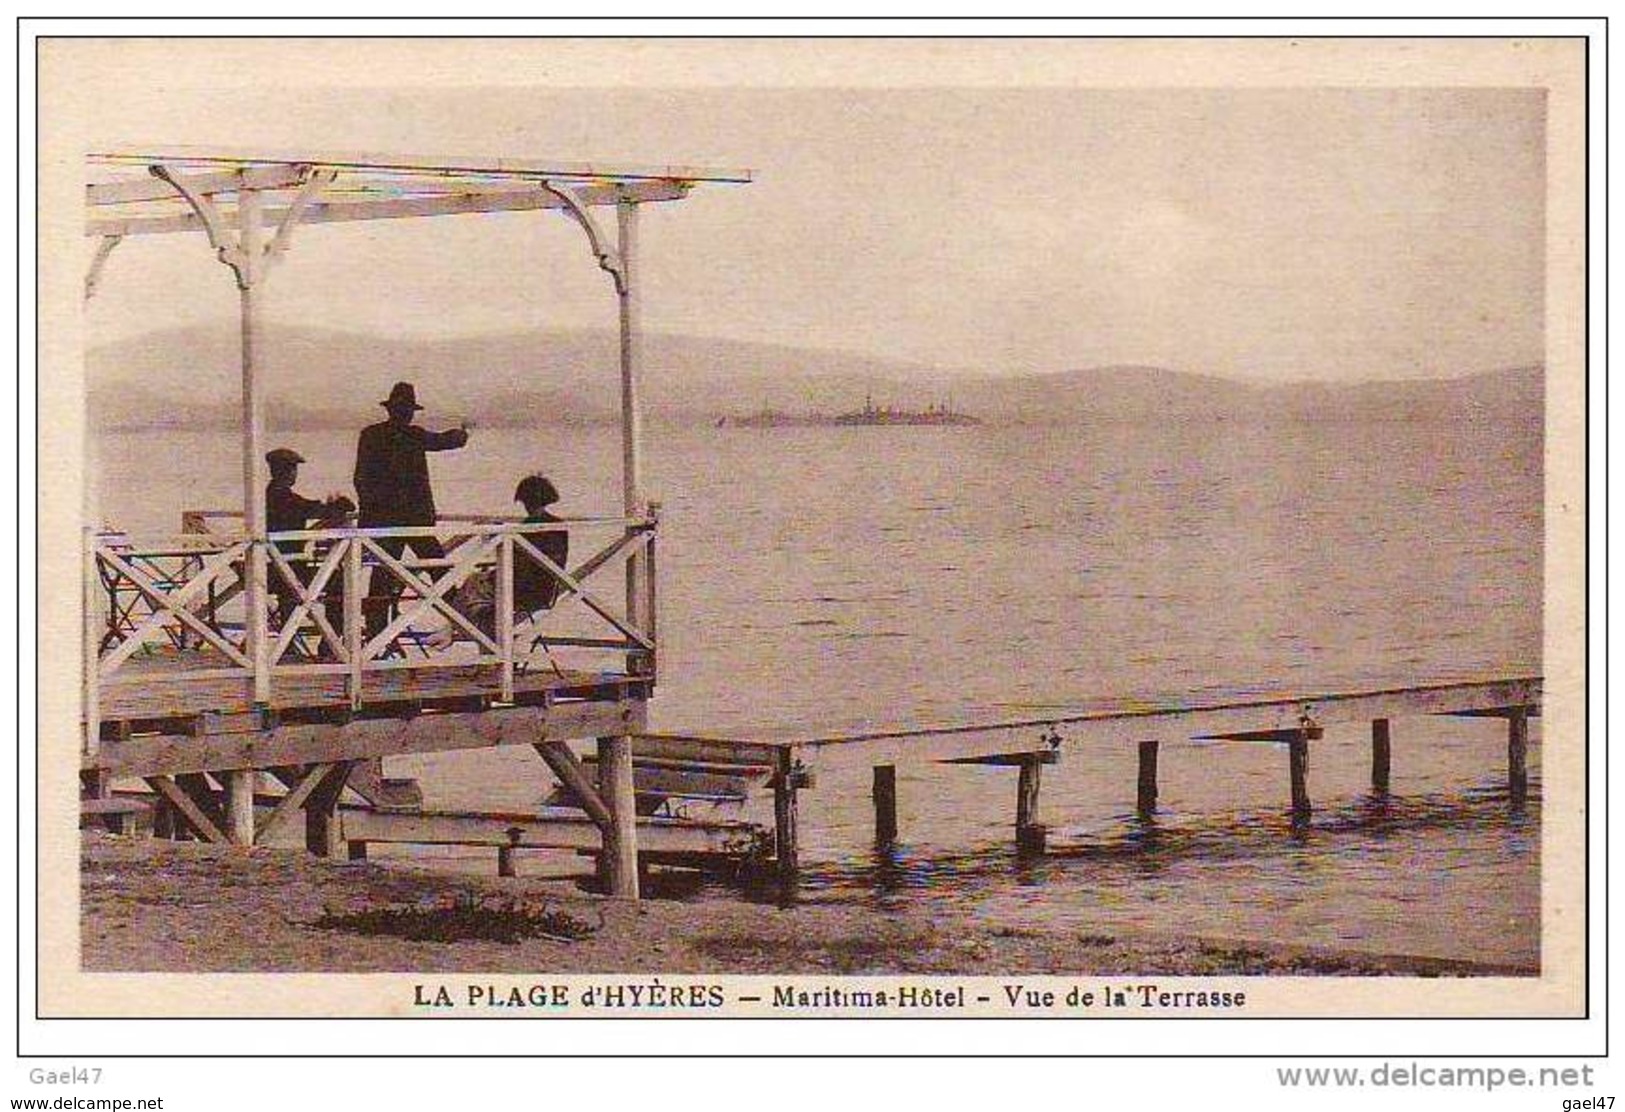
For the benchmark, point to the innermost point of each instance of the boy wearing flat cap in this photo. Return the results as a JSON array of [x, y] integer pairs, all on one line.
[[288, 511]]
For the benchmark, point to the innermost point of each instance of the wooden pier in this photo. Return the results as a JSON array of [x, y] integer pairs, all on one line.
[[1294, 721]]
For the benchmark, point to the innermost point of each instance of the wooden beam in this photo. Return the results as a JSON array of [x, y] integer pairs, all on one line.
[[335, 212], [573, 832], [187, 808], [562, 760], [1007, 760], [717, 750], [150, 188], [365, 738], [436, 164]]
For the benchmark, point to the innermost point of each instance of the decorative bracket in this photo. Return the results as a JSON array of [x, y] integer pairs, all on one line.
[[312, 182], [94, 276], [249, 270], [609, 260], [225, 249]]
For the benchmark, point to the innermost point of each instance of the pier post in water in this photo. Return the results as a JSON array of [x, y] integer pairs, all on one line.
[[885, 797], [1518, 757], [1298, 760], [786, 780], [1029, 834], [1381, 755], [1146, 795]]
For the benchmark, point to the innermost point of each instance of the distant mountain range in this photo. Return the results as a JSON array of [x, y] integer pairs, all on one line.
[[188, 378]]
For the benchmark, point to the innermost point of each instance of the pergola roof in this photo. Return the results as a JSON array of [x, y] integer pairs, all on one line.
[[125, 198]]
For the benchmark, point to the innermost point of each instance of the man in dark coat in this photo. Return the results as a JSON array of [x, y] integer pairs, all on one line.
[[392, 483]]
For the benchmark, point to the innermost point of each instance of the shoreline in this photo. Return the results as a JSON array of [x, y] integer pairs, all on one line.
[[158, 906]]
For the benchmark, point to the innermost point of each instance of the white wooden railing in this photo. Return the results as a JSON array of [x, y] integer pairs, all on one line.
[[185, 594]]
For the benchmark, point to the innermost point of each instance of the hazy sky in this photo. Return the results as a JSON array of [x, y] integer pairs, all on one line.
[[1265, 233]]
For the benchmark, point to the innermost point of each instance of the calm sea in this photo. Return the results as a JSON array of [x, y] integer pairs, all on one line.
[[826, 580]]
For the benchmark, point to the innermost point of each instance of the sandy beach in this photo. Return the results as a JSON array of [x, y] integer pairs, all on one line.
[[159, 906]]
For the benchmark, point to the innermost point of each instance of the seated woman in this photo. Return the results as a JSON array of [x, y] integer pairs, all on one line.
[[534, 587]]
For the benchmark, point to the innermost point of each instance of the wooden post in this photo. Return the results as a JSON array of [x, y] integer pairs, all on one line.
[[240, 806], [629, 296], [505, 614], [248, 273], [1298, 761], [786, 851], [91, 659], [1146, 796], [1029, 834], [1518, 758], [619, 860], [885, 797], [355, 639], [505, 861], [1381, 755]]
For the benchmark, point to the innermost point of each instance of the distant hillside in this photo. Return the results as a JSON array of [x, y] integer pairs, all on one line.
[[188, 378]]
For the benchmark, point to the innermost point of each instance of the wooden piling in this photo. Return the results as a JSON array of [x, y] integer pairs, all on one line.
[[1029, 834], [1381, 755], [240, 806], [885, 797], [1146, 797], [1518, 757], [619, 860], [1298, 759], [785, 848]]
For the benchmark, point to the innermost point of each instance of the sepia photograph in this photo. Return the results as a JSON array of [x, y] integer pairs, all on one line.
[[951, 528]]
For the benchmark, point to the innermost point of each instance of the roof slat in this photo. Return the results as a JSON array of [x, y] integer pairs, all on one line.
[[350, 160]]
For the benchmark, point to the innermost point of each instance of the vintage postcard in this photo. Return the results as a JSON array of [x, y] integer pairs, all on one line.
[[953, 528]]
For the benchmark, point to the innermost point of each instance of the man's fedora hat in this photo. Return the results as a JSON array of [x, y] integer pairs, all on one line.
[[403, 394]]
